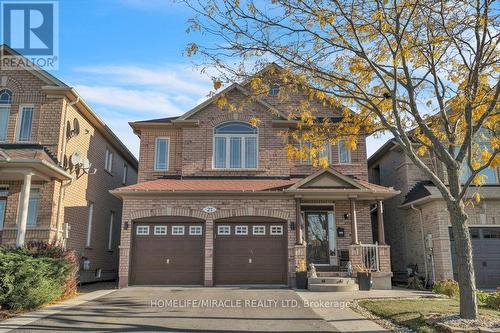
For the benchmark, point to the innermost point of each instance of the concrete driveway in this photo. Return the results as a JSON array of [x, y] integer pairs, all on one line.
[[168, 309]]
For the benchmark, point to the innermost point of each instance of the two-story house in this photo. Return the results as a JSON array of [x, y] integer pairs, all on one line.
[[417, 222], [218, 201], [58, 161]]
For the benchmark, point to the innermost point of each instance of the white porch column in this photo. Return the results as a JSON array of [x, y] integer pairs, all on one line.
[[354, 222], [23, 210]]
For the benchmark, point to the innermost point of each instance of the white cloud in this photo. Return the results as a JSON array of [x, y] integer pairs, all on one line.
[[152, 103], [173, 78]]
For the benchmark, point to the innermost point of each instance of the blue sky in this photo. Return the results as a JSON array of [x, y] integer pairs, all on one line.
[[125, 57]]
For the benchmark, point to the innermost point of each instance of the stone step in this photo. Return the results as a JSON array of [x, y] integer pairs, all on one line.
[[332, 274], [332, 287], [331, 280]]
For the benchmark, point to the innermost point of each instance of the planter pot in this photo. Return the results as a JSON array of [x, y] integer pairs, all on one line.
[[301, 278], [365, 280]]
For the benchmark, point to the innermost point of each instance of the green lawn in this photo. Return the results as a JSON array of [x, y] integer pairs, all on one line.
[[412, 313]]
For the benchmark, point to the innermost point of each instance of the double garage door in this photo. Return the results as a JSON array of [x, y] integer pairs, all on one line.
[[246, 252], [486, 256]]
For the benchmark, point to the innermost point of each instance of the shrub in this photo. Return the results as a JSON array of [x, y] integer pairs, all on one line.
[[33, 276], [492, 300], [446, 287]]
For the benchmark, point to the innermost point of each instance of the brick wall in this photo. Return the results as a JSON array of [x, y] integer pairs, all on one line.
[[191, 148]]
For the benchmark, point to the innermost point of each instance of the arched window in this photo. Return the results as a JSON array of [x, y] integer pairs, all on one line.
[[235, 146], [5, 101], [5, 96]]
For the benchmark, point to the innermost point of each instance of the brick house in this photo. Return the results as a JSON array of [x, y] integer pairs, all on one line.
[[417, 223], [58, 161], [219, 203]]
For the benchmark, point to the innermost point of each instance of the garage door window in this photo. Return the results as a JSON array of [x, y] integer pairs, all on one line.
[[224, 230], [160, 230], [276, 230], [259, 230], [241, 230], [178, 230], [491, 233], [195, 230], [142, 230]]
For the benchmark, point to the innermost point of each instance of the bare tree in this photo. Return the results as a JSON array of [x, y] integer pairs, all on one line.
[[387, 63]]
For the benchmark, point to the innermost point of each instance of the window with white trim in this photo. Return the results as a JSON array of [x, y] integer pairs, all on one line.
[[224, 230], [235, 146], [241, 230], [89, 224], [160, 230], [178, 230], [33, 206], [110, 236], [324, 152], [276, 230], [274, 90], [108, 163], [5, 101], [259, 230], [344, 153], [162, 147], [195, 230], [25, 123], [142, 230]]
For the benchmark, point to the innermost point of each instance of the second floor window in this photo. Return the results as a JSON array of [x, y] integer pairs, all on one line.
[[235, 146], [161, 154], [5, 101], [108, 163], [125, 174], [344, 153], [24, 124]]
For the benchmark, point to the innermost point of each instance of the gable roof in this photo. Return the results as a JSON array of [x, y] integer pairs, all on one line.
[[35, 69], [234, 86], [334, 175]]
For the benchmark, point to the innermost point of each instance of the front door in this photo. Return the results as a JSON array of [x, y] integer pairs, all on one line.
[[318, 251]]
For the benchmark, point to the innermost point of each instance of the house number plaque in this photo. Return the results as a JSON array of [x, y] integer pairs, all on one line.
[[209, 209]]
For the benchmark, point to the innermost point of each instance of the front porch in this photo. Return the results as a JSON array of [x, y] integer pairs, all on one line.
[[340, 229]]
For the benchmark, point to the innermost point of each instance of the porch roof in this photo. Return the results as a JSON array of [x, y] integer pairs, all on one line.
[[18, 159]]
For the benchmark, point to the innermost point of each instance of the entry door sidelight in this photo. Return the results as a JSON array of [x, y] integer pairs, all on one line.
[[318, 251]]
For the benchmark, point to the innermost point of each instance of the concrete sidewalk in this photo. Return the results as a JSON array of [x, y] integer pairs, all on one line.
[[333, 307]]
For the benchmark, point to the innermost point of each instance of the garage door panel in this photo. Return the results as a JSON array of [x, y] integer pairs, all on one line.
[[250, 259], [486, 256], [167, 259]]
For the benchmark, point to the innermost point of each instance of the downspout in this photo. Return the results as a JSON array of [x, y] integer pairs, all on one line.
[[421, 218], [61, 157]]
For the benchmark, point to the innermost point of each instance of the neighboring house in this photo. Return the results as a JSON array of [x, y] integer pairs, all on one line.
[[58, 161], [218, 201], [417, 223]]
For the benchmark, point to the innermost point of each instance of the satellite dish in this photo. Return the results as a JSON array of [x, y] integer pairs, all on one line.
[[68, 129], [86, 165], [76, 158], [76, 127]]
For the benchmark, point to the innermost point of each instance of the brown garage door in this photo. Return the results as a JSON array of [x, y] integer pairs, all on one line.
[[167, 254], [250, 253]]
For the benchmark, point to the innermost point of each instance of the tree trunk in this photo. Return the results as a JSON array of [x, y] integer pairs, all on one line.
[[463, 248]]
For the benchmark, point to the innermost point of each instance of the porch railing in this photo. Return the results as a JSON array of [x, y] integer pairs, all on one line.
[[370, 257]]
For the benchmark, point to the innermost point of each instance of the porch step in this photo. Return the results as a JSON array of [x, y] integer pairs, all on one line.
[[332, 274], [333, 287], [331, 280]]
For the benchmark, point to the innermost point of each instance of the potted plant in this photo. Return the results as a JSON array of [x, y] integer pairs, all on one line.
[[301, 274], [364, 277]]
